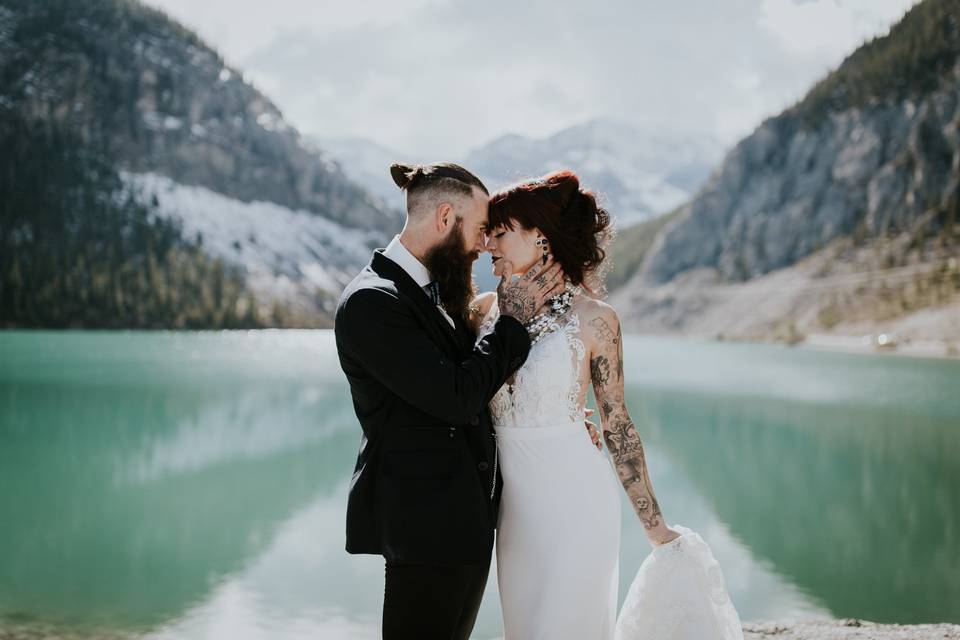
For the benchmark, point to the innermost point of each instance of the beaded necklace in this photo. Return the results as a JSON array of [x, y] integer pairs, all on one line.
[[546, 321]]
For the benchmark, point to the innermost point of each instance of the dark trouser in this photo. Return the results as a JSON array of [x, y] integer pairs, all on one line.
[[427, 602]]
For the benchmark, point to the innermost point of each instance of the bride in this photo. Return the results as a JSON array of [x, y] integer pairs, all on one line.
[[558, 537]]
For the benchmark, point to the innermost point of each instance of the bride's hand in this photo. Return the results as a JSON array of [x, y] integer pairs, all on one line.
[[592, 429], [669, 535], [522, 298]]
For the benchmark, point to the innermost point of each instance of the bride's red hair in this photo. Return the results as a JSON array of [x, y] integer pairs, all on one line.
[[574, 224]]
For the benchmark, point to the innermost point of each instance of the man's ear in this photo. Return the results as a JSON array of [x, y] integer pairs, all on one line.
[[444, 217]]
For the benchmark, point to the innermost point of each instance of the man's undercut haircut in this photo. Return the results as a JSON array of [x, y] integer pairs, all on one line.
[[433, 182]]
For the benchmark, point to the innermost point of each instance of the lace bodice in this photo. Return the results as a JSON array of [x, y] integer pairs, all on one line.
[[546, 390]]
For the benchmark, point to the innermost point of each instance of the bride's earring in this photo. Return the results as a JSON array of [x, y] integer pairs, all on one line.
[[543, 243]]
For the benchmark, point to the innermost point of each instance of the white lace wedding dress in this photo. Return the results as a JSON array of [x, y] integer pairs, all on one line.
[[558, 538]]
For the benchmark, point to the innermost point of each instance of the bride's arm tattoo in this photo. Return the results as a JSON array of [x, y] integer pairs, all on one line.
[[619, 432], [600, 370]]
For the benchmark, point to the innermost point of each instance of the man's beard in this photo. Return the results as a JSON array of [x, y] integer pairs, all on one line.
[[452, 267]]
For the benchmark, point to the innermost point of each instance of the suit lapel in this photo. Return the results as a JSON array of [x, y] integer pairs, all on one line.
[[387, 268]]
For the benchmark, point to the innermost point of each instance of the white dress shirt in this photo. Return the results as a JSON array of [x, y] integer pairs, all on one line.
[[414, 268]]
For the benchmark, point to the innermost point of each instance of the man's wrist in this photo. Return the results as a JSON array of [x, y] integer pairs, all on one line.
[[511, 325], [514, 320]]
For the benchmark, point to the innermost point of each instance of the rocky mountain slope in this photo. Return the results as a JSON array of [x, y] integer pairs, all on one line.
[[149, 97], [839, 215], [639, 172]]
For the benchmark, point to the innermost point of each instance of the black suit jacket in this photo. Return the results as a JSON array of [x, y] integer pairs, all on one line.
[[421, 488]]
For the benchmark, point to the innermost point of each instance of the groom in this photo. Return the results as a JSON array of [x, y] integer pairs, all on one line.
[[425, 489]]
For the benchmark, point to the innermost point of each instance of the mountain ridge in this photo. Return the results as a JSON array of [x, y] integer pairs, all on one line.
[[146, 95], [860, 176], [159, 99], [639, 172]]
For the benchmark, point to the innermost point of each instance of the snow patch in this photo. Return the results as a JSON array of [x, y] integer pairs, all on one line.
[[271, 122], [7, 24], [292, 255], [632, 169], [157, 121]]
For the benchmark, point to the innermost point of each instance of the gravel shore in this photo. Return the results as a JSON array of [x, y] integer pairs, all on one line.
[[757, 630], [848, 630]]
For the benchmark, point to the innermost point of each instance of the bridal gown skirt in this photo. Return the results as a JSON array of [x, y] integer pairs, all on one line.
[[679, 594], [558, 544], [559, 535]]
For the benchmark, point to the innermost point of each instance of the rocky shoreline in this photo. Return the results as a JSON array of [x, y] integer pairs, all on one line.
[[850, 629], [882, 344], [841, 298]]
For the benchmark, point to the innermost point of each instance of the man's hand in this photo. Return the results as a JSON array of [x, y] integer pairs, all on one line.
[[522, 298], [592, 430]]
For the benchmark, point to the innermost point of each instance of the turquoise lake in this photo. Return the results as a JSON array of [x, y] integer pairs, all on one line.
[[192, 485]]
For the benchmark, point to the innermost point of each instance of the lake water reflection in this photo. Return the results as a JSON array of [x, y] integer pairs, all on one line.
[[193, 484]]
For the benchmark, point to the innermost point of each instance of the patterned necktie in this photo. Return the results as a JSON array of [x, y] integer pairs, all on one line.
[[433, 290]]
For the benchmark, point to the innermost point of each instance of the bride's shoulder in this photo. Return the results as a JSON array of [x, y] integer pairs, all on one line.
[[596, 316], [480, 306], [482, 302]]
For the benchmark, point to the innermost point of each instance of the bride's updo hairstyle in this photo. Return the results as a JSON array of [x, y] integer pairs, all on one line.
[[576, 227]]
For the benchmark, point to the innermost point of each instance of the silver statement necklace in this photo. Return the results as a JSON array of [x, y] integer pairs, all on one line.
[[547, 321]]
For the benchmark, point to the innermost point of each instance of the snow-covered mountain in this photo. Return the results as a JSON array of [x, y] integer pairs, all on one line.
[[639, 172], [293, 256], [148, 96]]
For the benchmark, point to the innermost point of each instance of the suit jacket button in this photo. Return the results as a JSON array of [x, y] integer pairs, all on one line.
[[475, 420], [483, 466], [452, 431]]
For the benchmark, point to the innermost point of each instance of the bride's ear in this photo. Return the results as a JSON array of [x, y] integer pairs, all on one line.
[[543, 246]]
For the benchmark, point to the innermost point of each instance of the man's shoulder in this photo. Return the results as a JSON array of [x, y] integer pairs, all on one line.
[[368, 289], [368, 279]]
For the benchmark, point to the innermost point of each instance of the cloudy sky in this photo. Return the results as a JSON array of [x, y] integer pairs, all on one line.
[[439, 77]]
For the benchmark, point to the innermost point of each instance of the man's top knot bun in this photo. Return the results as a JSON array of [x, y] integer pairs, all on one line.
[[405, 175]]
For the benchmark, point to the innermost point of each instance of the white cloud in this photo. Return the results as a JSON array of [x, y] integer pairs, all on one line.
[[829, 28], [437, 78]]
